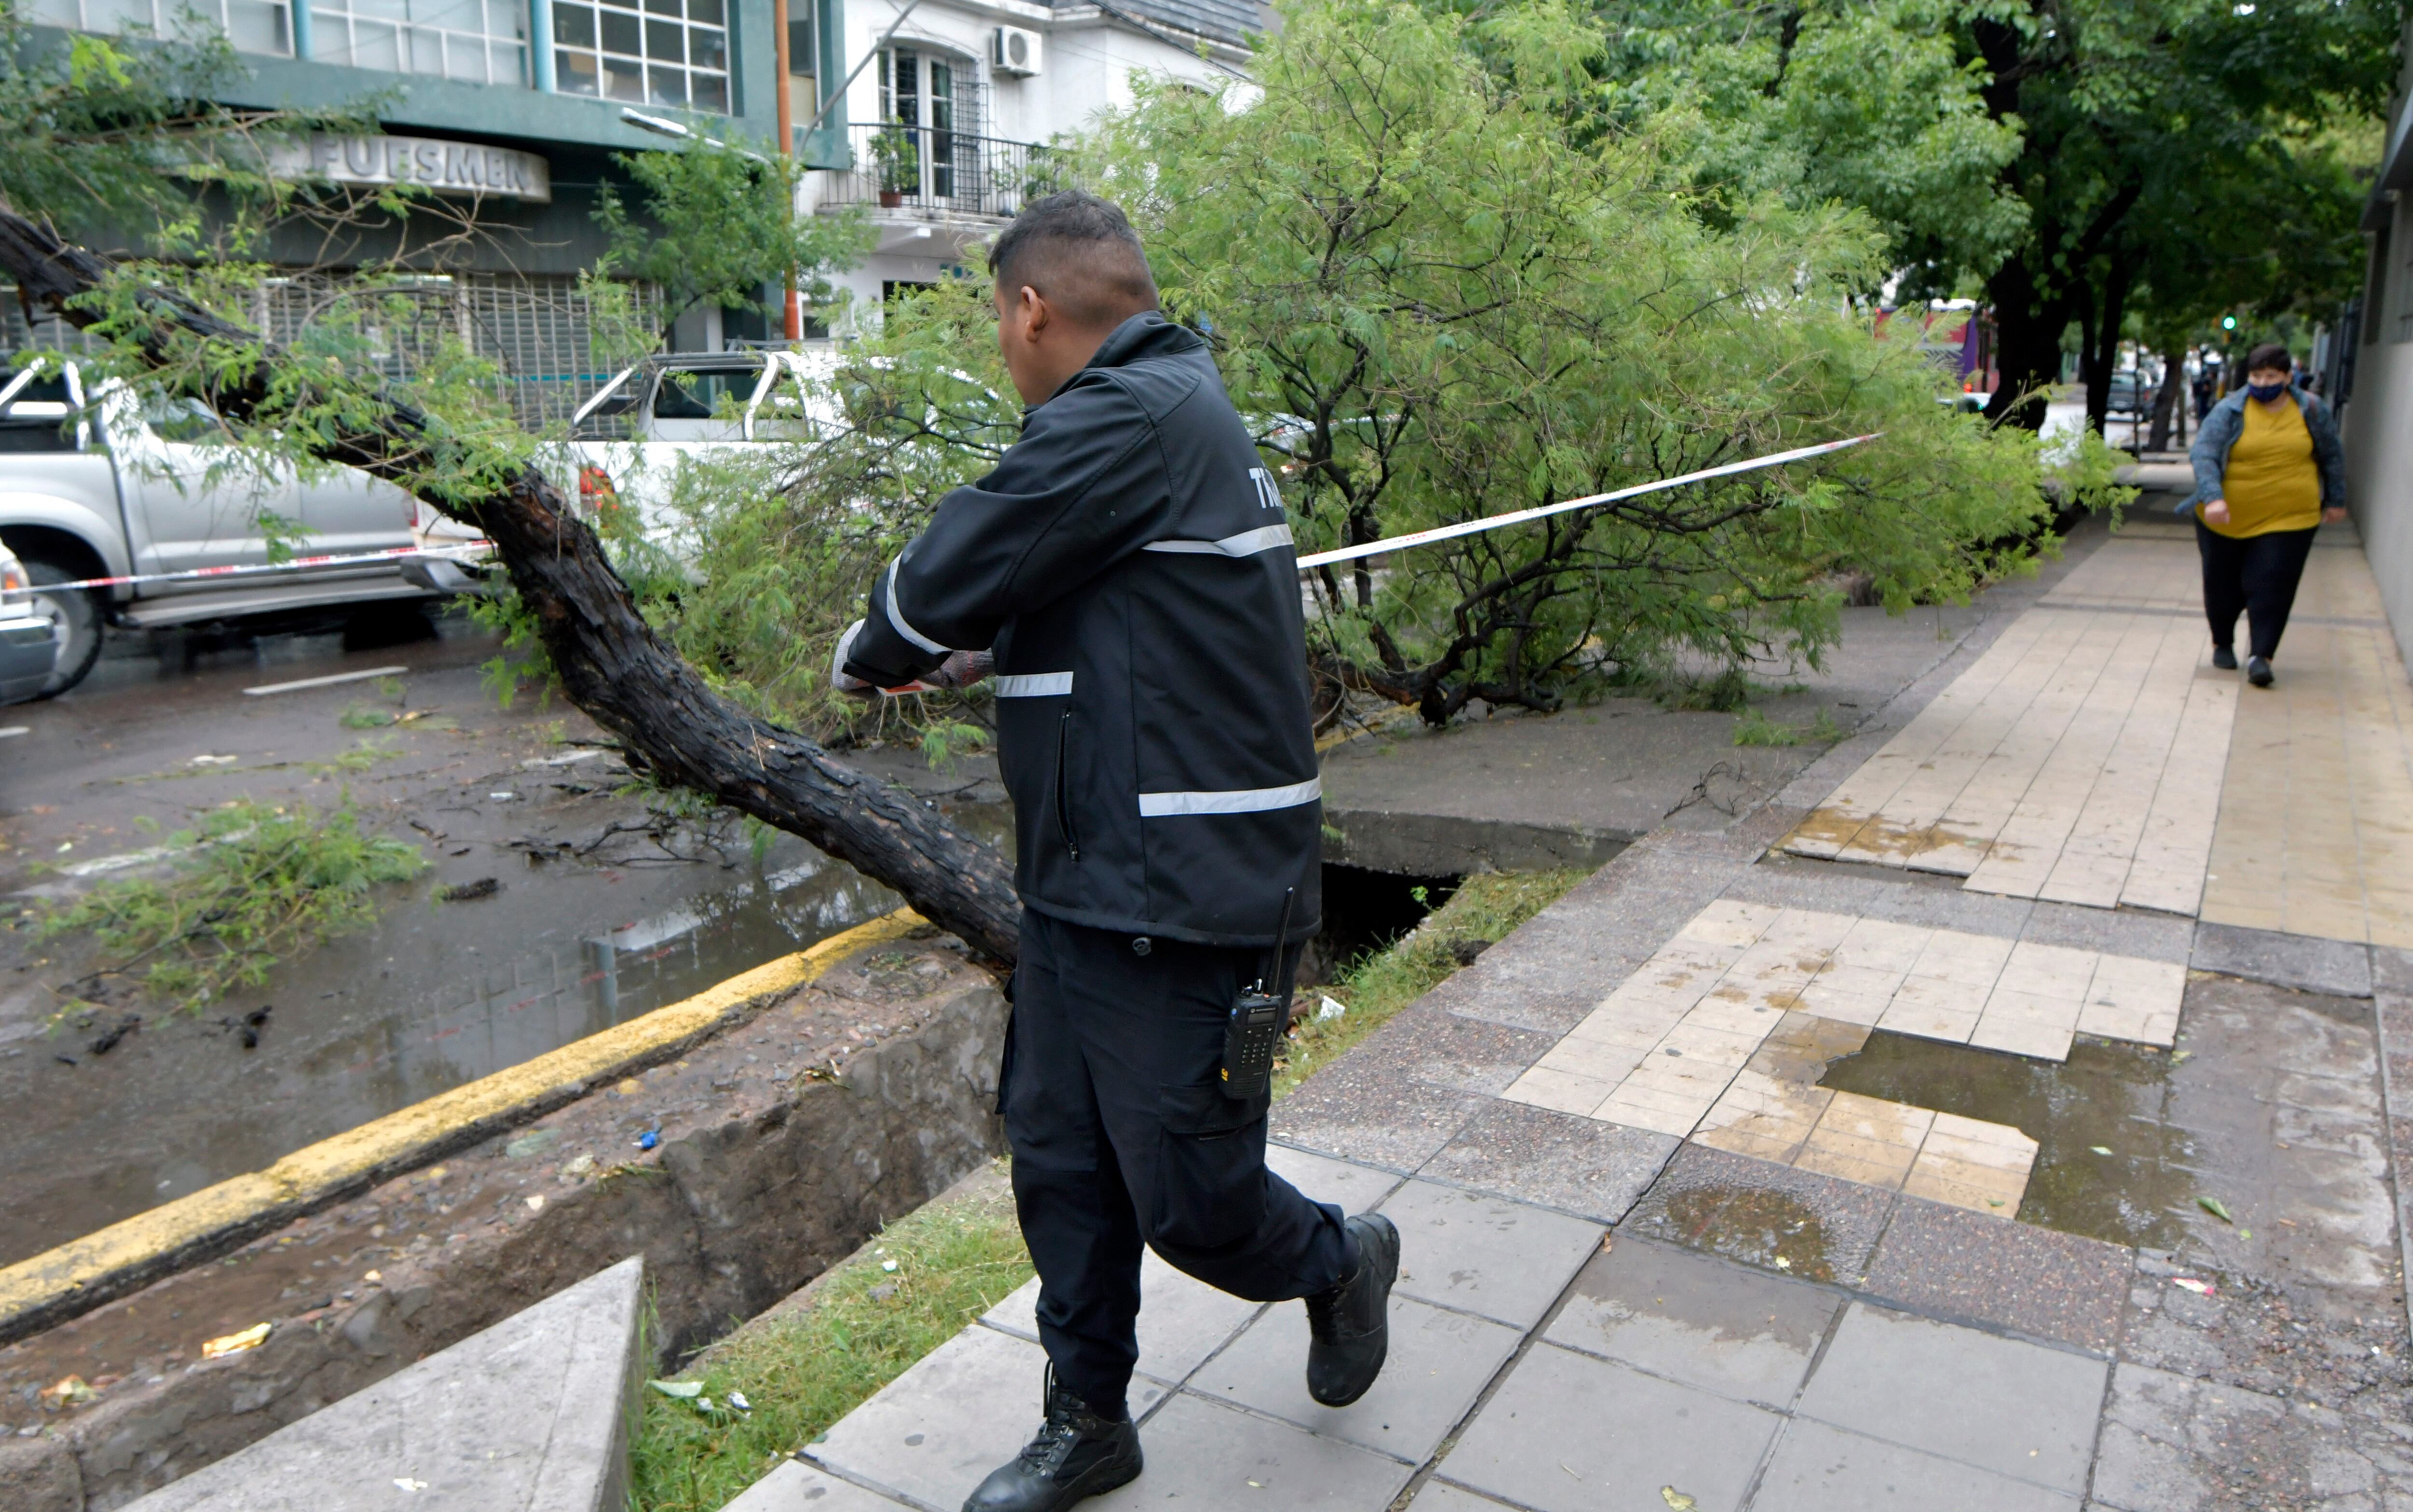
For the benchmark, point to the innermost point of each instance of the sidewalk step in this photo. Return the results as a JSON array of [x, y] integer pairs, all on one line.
[[530, 1416]]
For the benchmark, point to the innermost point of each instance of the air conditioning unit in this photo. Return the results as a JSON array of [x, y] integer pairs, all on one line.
[[1013, 50]]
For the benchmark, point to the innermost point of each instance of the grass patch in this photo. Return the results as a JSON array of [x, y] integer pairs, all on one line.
[[1379, 983], [1757, 729], [250, 886], [804, 1369]]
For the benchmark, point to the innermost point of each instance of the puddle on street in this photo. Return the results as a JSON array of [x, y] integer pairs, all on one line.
[[1754, 1226], [2109, 1095]]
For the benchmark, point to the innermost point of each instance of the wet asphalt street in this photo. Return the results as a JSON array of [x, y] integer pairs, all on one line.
[[602, 910]]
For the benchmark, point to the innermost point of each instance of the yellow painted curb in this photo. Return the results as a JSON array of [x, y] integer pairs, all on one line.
[[58, 1283]]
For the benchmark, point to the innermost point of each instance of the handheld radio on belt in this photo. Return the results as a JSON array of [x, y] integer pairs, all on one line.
[[1257, 1022]]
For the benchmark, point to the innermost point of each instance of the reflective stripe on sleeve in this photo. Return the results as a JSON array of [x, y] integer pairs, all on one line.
[[1035, 685], [1247, 543], [1233, 801], [896, 616]]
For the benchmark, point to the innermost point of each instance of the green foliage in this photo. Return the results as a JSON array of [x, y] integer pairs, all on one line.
[[718, 224], [1376, 987], [1444, 296], [807, 1367], [1755, 728], [250, 884], [2124, 165]]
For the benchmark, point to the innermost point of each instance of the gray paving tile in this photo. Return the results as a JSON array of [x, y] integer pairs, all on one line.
[[1503, 1260], [1202, 1455], [1736, 1332], [1349, 1186], [2018, 1409], [797, 1487], [1558, 1160], [1566, 1432], [1439, 1049], [2297, 961], [2153, 937], [1439, 1363], [1822, 1469], [963, 1410], [1951, 1260], [1362, 1108], [1182, 1320], [2175, 1444]]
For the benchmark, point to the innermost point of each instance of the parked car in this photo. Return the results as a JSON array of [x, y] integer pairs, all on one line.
[[29, 634], [2131, 394], [108, 485]]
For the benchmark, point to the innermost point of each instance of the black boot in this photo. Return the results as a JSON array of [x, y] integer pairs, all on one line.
[[1077, 1453], [2258, 671], [2225, 657], [1348, 1327]]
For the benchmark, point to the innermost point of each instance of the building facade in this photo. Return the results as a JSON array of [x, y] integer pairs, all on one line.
[[933, 115], [2373, 371]]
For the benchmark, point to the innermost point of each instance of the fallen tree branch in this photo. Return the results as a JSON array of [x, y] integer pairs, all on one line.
[[610, 661]]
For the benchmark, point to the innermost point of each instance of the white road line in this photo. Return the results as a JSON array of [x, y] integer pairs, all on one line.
[[266, 689]]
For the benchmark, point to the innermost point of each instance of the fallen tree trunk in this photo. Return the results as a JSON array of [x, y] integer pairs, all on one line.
[[610, 661]]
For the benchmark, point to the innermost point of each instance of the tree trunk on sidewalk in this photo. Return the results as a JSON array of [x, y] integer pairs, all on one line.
[[611, 663], [2103, 358], [2028, 324]]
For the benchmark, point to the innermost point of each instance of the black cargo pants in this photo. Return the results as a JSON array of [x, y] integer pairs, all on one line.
[[1122, 1136]]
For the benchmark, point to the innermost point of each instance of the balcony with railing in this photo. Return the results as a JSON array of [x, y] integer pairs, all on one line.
[[923, 168]]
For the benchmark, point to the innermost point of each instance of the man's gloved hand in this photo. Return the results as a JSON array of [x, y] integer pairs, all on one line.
[[961, 670]]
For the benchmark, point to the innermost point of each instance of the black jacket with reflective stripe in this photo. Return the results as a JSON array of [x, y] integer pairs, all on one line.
[[1129, 564]]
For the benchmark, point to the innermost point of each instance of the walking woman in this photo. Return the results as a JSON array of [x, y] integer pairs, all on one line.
[[2268, 472]]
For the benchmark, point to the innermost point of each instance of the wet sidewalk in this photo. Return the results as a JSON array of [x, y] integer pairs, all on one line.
[[1908, 1141]]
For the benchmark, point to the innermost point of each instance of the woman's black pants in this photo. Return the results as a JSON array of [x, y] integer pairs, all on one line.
[[1122, 1136], [2257, 575]]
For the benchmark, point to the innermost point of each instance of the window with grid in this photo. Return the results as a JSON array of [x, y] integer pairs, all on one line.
[[477, 41], [251, 25], [645, 52]]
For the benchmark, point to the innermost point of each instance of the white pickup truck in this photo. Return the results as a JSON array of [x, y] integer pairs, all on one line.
[[104, 484]]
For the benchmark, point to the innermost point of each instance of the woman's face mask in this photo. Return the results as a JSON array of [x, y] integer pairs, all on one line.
[[2267, 391]]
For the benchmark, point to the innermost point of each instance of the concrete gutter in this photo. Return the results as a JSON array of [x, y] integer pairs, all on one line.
[[58, 1284]]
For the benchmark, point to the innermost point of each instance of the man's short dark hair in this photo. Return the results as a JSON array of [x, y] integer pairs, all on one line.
[[1081, 254], [2271, 356]]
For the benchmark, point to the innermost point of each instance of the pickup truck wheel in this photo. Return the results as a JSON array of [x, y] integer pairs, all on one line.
[[78, 617]]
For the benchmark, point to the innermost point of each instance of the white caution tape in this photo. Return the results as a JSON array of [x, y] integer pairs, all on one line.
[[466, 551], [1468, 528]]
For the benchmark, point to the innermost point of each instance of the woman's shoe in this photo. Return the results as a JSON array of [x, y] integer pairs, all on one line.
[[2258, 671], [2225, 657]]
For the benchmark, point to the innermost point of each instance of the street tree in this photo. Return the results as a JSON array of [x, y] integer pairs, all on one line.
[[716, 224], [2079, 162]]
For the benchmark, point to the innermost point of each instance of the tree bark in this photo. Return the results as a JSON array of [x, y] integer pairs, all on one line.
[[2105, 336], [610, 661], [2028, 324]]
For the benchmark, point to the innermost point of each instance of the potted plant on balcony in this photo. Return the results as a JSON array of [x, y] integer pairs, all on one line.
[[900, 165]]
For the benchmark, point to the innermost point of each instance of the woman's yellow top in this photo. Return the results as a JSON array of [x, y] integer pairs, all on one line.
[[2271, 482]]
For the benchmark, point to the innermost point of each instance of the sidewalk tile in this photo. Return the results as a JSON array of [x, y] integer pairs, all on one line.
[[1439, 1363], [1559, 1092], [1570, 1434], [1347, 1185], [1704, 1322], [960, 1412], [1758, 1212], [1503, 1260], [1580, 1166], [1364, 1111], [1822, 1469], [2040, 1281], [797, 1487], [1182, 1320], [1202, 1455], [2020, 1410]]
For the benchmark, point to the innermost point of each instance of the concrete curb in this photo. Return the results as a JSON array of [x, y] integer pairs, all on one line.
[[57, 1284]]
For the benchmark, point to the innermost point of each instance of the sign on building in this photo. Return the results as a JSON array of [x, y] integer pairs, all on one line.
[[445, 167]]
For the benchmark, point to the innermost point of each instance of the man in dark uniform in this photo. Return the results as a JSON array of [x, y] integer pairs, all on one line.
[[1129, 567]]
